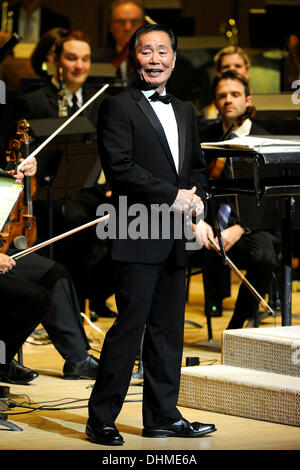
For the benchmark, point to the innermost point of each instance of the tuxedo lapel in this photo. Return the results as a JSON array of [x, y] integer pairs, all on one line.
[[147, 109], [181, 125]]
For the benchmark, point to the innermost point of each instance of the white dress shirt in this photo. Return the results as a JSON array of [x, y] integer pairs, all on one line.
[[165, 114], [243, 130]]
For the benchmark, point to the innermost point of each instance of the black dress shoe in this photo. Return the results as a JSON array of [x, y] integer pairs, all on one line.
[[105, 434], [87, 369], [181, 428], [15, 373]]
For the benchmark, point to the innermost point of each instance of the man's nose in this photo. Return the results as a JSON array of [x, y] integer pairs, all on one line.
[[228, 99], [128, 25], [79, 63], [154, 58]]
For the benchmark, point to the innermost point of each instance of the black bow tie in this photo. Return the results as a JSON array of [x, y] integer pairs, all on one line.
[[163, 98]]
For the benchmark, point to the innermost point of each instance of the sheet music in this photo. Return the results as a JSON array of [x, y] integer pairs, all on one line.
[[257, 144], [9, 194]]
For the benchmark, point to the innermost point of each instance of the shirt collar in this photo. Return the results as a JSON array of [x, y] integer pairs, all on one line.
[[148, 93], [243, 130], [68, 93]]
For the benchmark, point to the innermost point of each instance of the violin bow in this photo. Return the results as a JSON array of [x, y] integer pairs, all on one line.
[[20, 254], [59, 129], [243, 278]]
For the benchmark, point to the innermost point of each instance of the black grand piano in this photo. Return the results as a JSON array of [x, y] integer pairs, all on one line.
[[266, 181]]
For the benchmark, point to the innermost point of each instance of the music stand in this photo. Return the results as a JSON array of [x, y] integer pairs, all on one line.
[[50, 161], [4, 395], [4, 422]]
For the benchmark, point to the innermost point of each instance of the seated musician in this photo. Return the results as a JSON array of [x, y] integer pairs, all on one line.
[[126, 16], [72, 54], [72, 66], [38, 290], [253, 250], [232, 58]]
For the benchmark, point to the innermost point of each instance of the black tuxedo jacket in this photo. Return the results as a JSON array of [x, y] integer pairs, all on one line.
[[43, 103], [49, 19], [138, 163]]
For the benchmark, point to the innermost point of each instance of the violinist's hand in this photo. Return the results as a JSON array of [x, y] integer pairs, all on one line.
[[203, 232], [29, 168], [6, 263], [18, 175], [230, 236]]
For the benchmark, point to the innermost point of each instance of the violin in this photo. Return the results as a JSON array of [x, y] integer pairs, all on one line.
[[21, 227], [215, 167]]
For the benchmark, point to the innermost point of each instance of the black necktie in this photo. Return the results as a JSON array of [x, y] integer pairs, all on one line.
[[163, 98], [74, 104]]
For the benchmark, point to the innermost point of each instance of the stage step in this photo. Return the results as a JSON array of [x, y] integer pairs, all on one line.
[[270, 349], [259, 377], [241, 392]]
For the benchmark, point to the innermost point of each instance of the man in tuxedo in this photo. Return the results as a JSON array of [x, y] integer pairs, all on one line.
[[151, 155], [253, 250]]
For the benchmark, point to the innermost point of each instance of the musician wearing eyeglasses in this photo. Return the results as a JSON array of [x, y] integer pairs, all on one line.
[[126, 16]]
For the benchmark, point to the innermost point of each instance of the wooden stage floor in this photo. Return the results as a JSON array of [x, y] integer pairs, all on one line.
[[63, 429]]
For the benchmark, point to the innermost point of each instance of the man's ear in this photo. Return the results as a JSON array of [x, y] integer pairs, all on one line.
[[249, 100]]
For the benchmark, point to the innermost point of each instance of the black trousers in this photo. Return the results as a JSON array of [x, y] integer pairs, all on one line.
[[62, 320], [23, 304], [150, 300], [255, 253]]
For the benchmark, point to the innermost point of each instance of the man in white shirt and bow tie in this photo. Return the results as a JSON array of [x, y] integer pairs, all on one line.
[[151, 155]]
